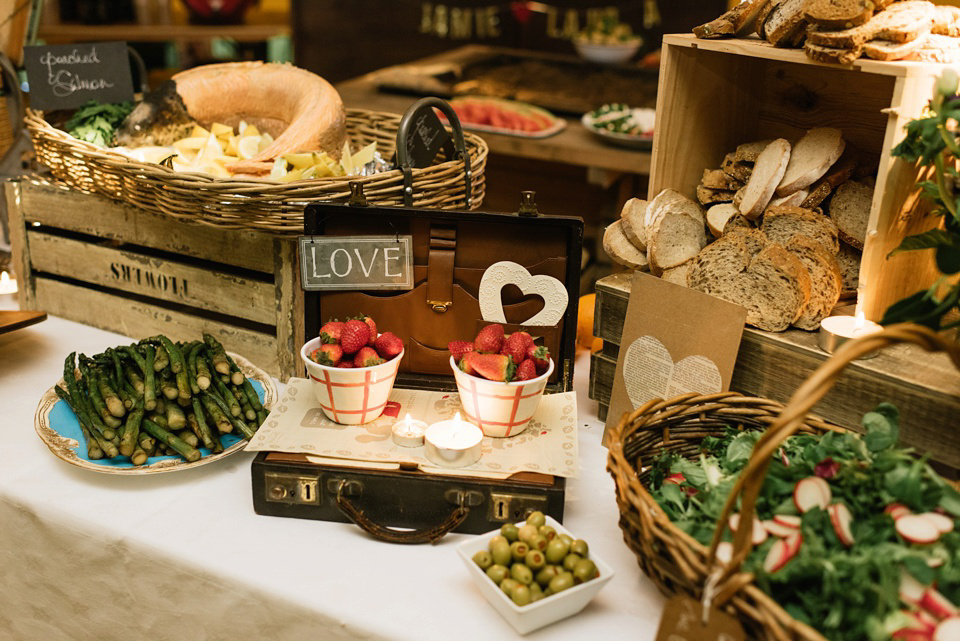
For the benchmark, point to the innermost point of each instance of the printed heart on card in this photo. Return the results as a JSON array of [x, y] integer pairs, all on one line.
[[499, 275], [649, 372]]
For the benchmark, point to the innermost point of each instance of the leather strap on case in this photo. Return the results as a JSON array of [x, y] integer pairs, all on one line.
[[430, 534], [440, 264]]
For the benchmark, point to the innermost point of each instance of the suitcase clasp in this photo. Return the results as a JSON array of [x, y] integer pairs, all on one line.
[[343, 487], [464, 499], [440, 306]]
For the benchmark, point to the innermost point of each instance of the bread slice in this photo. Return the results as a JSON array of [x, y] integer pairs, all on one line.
[[632, 222], [677, 236], [707, 196], [841, 171], [736, 169], [850, 210], [738, 222], [659, 205], [738, 21], [900, 22], [677, 275], [785, 22], [939, 49], [811, 158], [889, 50], [781, 223], [848, 258], [839, 14], [760, 25], [767, 172], [836, 55], [717, 179], [793, 200], [826, 280], [744, 268], [719, 215], [621, 250], [750, 151], [946, 21]]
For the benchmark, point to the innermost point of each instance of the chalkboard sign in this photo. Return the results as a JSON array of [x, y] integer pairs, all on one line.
[[356, 262], [426, 135], [66, 76]]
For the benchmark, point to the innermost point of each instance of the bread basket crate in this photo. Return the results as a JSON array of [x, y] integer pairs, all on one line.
[[255, 204], [674, 560]]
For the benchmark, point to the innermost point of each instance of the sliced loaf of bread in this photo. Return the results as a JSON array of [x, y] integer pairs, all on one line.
[[677, 275], [850, 209], [737, 21], [785, 22], [900, 22], [750, 151], [888, 50], [793, 200], [677, 232], [632, 222], [946, 21], [826, 280], [767, 173], [760, 25], [781, 223], [840, 14], [621, 250], [810, 158], [836, 55], [841, 171], [849, 260]]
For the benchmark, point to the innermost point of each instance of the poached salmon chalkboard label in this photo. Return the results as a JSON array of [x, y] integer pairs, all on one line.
[[425, 137], [67, 76], [356, 262]]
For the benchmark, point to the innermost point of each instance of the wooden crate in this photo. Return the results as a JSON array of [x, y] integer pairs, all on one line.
[[925, 387], [716, 94], [126, 270]]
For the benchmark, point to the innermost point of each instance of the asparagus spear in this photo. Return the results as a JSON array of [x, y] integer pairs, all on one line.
[[94, 451], [133, 378], [231, 401], [234, 420], [188, 452], [177, 365], [188, 437], [210, 440], [158, 418], [130, 439], [149, 386], [203, 372], [93, 394], [167, 387], [146, 441], [109, 395], [219, 356], [193, 350], [248, 412], [161, 359], [176, 420], [217, 415], [139, 455]]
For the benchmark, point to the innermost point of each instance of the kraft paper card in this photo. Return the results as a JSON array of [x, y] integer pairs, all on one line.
[[675, 340], [298, 425]]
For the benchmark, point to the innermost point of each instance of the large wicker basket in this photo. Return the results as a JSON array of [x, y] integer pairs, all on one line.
[[675, 561], [262, 205]]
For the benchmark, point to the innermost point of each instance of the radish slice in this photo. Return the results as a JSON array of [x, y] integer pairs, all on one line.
[[943, 523], [915, 528], [793, 543], [734, 522], [935, 561], [911, 634], [676, 479], [911, 590], [948, 630], [811, 492], [926, 621], [896, 510], [725, 551], [789, 520], [778, 529], [777, 557], [840, 518], [757, 536], [783, 457], [937, 605]]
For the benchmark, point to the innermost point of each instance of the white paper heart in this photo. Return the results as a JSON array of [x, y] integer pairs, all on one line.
[[649, 372], [551, 290]]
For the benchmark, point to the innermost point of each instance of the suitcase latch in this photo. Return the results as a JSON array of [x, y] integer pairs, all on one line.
[[344, 487], [464, 499], [440, 306]]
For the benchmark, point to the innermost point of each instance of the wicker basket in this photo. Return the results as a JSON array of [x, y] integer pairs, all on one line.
[[263, 205], [675, 561]]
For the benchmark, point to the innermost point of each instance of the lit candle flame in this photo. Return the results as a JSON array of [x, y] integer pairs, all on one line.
[[860, 322], [408, 420], [4, 278], [456, 419]]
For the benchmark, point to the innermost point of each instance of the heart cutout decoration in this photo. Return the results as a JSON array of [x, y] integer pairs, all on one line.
[[505, 272], [649, 372]]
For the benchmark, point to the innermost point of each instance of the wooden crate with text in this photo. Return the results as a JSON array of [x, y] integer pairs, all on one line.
[[102, 263]]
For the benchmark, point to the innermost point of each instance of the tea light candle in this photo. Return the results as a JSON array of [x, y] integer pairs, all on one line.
[[837, 330], [453, 443], [8, 286], [409, 432]]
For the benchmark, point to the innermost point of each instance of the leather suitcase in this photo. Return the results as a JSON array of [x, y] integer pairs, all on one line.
[[451, 250]]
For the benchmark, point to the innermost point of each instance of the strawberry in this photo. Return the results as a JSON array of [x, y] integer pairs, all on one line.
[[355, 334], [347, 364], [527, 370], [373, 329], [328, 354], [458, 349], [330, 332], [540, 356], [388, 345], [494, 367], [516, 345], [490, 339], [466, 362], [367, 357]]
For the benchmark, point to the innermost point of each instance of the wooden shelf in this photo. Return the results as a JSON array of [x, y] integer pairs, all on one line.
[[61, 33]]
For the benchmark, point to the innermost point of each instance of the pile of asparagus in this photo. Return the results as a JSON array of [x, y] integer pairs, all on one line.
[[159, 398]]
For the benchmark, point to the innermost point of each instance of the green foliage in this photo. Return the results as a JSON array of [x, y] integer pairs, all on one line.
[[934, 141], [96, 122]]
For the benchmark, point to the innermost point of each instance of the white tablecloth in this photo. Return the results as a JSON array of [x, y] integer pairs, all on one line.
[[183, 556]]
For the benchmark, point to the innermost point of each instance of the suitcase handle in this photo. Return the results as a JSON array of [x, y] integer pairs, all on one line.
[[430, 534]]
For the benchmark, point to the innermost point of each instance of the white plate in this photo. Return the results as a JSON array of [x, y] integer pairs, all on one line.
[[642, 141]]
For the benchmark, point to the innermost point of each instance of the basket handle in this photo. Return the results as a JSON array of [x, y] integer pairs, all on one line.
[[791, 418], [460, 145]]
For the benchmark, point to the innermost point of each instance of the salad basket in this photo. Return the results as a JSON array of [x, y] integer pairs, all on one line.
[[676, 561]]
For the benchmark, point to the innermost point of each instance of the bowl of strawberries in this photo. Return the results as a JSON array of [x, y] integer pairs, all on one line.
[[353, 368], [500, 378]]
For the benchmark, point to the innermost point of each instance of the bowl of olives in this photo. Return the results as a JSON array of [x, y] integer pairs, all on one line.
[[534, 572]]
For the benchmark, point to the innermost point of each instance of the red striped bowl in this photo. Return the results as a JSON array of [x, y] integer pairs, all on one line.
[[499, 409], [350, 396]]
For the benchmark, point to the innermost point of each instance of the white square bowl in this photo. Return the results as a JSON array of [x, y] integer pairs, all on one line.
[[547, 610]]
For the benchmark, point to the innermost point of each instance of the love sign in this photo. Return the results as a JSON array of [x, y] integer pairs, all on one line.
[[330, 263]]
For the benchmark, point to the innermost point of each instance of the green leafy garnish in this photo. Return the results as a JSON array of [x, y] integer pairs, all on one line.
[[96, 122]]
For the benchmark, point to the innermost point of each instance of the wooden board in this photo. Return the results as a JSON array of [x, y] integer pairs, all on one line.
[[926, 387], [14, 320]]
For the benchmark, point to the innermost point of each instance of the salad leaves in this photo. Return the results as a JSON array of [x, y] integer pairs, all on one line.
[[97, 122]]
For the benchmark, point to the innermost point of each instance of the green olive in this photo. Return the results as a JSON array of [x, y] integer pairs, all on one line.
[[497, 540], [548, 532], [483, 558], [561, 582], [521, 595], [509, 532], [556, 550], [565, 537], [535, 559], [536, 518], [547, 592], [508, 584], [584, 571], [518, 550], [501, 553], [539, 542], [498, 573], [570, 561], [536, 591], [520, 572], [547, 573], [527, 532], [580, 547]]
